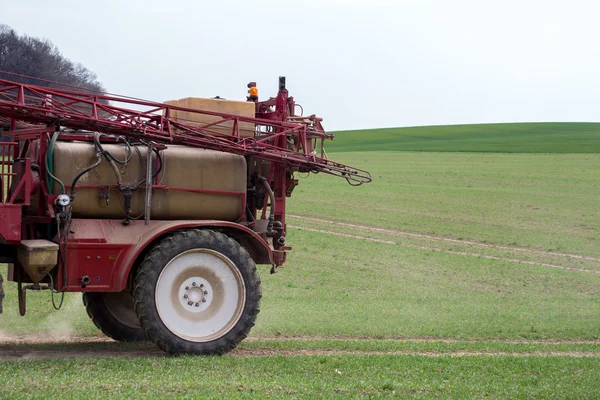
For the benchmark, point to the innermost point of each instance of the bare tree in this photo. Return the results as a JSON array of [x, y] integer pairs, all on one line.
[[40, 58]]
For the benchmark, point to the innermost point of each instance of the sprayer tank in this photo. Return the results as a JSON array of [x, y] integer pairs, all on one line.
[[196, 183]]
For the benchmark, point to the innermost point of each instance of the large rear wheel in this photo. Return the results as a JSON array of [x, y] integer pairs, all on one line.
[[197, 292], [113, 314]]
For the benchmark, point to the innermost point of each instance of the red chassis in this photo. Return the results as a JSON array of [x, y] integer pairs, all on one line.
[[189, 286], [98, 254]]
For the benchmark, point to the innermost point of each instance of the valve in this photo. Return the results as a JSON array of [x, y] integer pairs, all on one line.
[[127, 191], [63, 200]]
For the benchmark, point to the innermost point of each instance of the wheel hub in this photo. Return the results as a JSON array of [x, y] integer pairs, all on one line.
[[215, 293], [195, 294]]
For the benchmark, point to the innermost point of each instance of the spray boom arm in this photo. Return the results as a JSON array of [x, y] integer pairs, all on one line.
[[281, 137]]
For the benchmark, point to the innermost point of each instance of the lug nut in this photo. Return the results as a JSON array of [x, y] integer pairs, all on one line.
[[197, 304], [202, 285], [185, 296], [190, 303], [205, 292], [204, 300], [187, 288], [193, 283]]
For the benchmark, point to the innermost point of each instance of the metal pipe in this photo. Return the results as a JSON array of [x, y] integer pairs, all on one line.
[[160, 166], [148, 185]]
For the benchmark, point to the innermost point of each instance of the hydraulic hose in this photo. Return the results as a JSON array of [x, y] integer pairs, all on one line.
[[115, 170], [85, 171], [274, 228], [129, 154], [265, 184], [160, 166], [249, 213], [108, 157], [49, 156], [49, 162]]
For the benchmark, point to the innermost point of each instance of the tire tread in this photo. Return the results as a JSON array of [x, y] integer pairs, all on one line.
[[150, 269]]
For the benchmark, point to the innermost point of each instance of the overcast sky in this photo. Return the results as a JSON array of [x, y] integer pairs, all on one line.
[[356, 63]]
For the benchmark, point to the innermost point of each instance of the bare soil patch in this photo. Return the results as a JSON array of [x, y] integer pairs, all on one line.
[[38, 347]]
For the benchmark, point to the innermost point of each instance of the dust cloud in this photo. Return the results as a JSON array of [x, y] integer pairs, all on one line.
[[59, 325]]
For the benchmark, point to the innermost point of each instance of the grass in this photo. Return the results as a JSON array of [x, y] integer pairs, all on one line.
[[492, 312], [542, 201], [566, 137], [344, 376]]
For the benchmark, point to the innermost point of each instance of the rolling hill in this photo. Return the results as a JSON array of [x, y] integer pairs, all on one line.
[[547, 137]]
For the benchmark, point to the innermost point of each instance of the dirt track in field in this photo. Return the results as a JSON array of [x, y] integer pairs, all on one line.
[[22, 348], [560, 261], [442, 238], [461, 253]]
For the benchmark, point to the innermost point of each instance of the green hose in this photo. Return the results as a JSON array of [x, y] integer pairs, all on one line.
[[50, 162], [50, 178]]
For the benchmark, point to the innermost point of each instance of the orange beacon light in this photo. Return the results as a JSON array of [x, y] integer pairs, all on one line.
[[252, 92]]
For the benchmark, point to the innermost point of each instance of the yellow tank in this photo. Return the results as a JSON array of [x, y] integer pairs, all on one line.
[[183, 168], [241, 108]]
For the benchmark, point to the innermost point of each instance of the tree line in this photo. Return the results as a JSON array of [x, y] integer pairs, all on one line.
[[40, 58]]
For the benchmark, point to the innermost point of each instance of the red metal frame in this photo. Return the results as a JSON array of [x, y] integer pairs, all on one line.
[[96, 248], [16, 187], [276, 139]]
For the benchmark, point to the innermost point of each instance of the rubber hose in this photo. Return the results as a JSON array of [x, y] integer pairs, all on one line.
[[79, 175], [49, 162], [50, 156], [160, 167], [115, 170], [271, 196], [106, 155], [129, 153]]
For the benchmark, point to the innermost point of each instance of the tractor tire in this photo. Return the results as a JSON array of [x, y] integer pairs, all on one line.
[[113, 314], [197, 292]]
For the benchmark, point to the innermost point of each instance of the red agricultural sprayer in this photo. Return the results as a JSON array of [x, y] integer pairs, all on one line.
[[157, 212]]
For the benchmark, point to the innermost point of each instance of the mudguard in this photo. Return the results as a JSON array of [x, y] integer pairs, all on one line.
[[101, 253]]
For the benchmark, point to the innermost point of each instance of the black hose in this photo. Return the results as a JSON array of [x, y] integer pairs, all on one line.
[[160, 163], [129, 154], [85, 171], [249, 215], [63, 256], [265, 184], [160, 167], [108, 155]]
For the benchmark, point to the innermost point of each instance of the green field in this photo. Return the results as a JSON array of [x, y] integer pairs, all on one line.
[[453, 274], [497, 138], [343, 376]]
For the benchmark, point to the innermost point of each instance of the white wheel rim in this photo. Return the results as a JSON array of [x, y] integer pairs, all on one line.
[[200, 295]]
